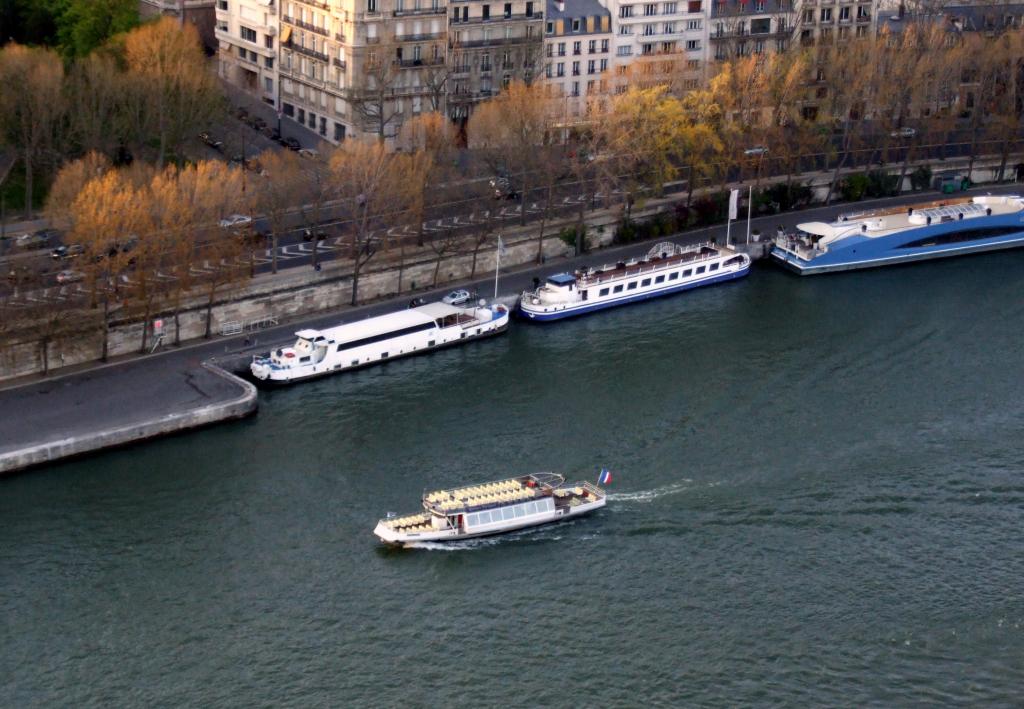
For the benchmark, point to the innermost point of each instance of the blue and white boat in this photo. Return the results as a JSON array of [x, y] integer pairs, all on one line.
[[667, 268], [904, 234]]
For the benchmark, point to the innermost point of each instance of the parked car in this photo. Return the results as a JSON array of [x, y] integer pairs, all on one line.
[[235, 220], [904, 132], [756, 151], [457, 297], [241, 113], [503, 188], [67, 251], [69, 277], [207, 138], [291, 144], [35, 239], [309, 153], [417, 302], [308, 234]]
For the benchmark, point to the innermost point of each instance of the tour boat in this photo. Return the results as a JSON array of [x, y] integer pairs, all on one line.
[[884, 237], [358, 344], [492, 508], [667, 268]]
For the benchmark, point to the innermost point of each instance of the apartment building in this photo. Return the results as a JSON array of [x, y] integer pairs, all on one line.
[[661, 40], [247, 34], [744, 27], [577, 54], [198, 13], [830, 21], [490, 44]]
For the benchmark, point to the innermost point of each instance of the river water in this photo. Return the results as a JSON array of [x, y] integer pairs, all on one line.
[[818, 499]]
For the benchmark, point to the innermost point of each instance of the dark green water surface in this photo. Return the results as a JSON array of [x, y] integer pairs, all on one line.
[[818, 500]]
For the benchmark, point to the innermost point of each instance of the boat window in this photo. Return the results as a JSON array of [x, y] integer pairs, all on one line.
[[700, 269], [687, 272], [520, 510], [531, 508], [604, 292], [471, 520], [618, 289], [546, 505], [713, 267], [674, 276], [385, 336], [631, 286], [963, 235], [659, 279], [645, 282], [304, 359], [508, 513]]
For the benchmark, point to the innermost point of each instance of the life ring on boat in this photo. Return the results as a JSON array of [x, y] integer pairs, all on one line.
[[289, 355]]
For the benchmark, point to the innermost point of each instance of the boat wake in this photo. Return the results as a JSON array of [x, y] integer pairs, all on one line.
[[651, 495]]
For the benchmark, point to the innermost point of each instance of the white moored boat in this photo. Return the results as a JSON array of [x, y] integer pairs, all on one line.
[[412, 331], [492, 508], [667, 268]]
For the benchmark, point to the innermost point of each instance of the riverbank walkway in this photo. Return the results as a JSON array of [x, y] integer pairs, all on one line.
[[87, 408]]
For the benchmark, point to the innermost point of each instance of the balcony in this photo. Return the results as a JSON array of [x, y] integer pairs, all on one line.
[[501, 18], [413, 63], [493, 42], [306, 25], [422, 37], [310, 53], [340, 63], [863, 19], [340, 37], [413, 12]]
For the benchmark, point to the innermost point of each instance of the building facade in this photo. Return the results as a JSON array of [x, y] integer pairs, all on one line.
[[247, 33], [741, 28], [831, 21], [198, 13], [491, 44], [577, 54]]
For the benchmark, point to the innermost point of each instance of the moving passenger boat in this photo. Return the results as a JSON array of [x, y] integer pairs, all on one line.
[[412, 331], [885, 237], [492, 508], [667, 268]]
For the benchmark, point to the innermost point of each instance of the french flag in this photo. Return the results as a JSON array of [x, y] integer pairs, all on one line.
[[604, 477]]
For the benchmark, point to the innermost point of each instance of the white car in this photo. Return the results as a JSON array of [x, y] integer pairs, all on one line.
[[235, 220], [756, 150], [457, 297], [309, 153], [69, 276], [904, 132]]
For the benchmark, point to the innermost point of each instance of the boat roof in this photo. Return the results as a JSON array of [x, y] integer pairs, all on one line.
[[384, 323], [562, 279], [883, 222]]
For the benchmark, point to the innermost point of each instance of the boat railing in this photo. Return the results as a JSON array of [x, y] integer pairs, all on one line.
[[801, 247], [694, 253]]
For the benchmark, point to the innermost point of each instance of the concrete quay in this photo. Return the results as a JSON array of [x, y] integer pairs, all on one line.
[[105, 407]]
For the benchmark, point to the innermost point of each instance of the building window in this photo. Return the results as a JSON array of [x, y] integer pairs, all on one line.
[[508, 10], [669, 8], [826, 14], [626, 11], [575, 68], [844, 14], [604, 65], [575, 25], [591, 66], [650, 10], [577, 48], [550, 26], [692, 45], [669, 28], [486, 10], [529, 9], [624, 52], [561, 49], [247, 34], [604, 46], [592, 46], [371, 5], [693, 6], [560, 69], [625, 30]]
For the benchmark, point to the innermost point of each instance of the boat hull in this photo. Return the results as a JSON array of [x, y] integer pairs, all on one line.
[[396, 538], [886, 257], [537, 315]]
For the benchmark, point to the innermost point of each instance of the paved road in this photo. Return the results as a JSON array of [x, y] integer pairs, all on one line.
[[143, 387]]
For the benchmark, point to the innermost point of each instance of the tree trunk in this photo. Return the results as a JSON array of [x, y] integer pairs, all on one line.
[[106, 327], [356, 264], [209, 312], [543, 222], [437, 267], [273, 251], [28, 187], [177, 325], [45, 354]]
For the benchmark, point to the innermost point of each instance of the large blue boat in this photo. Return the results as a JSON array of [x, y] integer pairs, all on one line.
[[904, 234]]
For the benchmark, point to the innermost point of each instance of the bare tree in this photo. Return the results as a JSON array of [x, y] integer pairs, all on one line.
[[373, 95], [278, 191]]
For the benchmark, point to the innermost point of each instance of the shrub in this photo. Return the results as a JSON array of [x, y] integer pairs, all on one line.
[[882, 184], [783, 197], [568, 235], [854, 187], [921, 178]]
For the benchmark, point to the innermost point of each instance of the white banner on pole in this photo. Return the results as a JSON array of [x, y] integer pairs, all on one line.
[[734, 203]]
